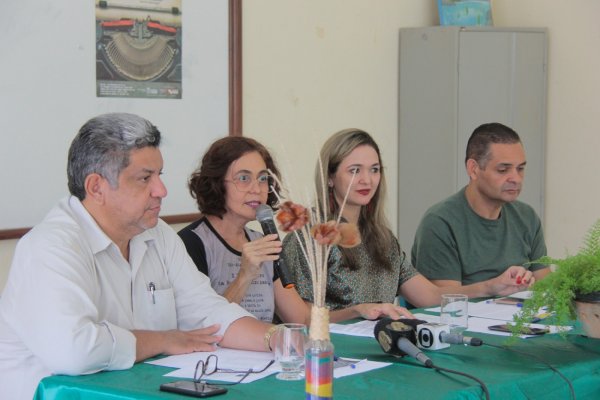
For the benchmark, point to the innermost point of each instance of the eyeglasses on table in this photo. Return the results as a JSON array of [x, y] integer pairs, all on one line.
[[206, 368]]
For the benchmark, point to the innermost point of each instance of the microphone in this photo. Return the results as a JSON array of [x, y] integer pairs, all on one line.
[[457, 338], [397, 337], [410, 349], [264, 215], [435, 336]]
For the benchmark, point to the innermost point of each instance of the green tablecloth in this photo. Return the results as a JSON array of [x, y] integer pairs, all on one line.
[[507, 374]]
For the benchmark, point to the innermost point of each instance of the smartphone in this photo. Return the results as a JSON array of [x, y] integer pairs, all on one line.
[[192, 388], [509, 300], [526, 330]]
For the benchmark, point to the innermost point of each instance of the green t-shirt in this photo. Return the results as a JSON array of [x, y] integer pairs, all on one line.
[[454, 243]]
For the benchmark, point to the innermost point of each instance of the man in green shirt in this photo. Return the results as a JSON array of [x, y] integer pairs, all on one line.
[[477, 233]]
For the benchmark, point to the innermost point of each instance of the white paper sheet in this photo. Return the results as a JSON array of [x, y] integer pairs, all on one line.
[[365, 328], [428, 317], [488, 309], [492, 310], [239, 360], [526, 294], [362, 328], [358, 367], [226, 377], [481, 325]]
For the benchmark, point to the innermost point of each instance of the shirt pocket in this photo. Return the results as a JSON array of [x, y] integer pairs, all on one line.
[[160, 313]]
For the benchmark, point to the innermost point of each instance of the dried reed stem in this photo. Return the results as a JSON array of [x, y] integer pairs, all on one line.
[[316, 255]]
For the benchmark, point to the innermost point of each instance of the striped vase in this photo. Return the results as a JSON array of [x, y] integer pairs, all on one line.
[[319, 357]]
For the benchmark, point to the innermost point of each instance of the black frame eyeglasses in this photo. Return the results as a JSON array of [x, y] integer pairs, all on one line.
[[205, 368]]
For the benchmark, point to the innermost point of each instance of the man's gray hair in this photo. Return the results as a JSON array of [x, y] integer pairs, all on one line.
[[102, 146]]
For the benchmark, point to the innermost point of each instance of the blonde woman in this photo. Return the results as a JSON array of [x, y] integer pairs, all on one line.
[[377, 270]]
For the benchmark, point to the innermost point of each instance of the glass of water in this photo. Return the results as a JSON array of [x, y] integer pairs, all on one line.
[[454, 312], [289, 350]]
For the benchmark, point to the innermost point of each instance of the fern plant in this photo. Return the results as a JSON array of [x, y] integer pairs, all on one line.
[[575, 275]]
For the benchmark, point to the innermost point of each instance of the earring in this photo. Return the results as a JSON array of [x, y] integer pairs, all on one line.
[[331, 201]]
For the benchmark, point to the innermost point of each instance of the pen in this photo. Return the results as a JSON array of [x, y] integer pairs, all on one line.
[[152, 288], [346, 362], [540, 317], [358, 362]]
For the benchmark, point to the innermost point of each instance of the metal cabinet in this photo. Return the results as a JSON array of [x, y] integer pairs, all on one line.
[[452, 79]]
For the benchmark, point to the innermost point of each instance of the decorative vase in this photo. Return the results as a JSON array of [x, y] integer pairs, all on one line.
[[588, 312], [319, 357]]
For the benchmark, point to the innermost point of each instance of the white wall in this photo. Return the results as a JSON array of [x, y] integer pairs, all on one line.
[[312, 67], [62, 33], [573, 137]]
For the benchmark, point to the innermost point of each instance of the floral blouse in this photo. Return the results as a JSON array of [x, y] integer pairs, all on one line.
[[369, 283]]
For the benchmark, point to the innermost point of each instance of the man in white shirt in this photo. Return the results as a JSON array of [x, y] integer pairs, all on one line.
[[102, 282]]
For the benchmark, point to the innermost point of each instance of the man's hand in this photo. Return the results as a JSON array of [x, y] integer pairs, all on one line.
[[204, 339], [152, 343]]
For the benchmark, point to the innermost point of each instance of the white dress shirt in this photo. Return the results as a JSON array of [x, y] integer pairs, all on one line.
[[71, 299]]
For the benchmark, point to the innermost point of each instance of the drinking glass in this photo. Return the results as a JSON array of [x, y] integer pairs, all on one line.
[[454, 312], [289, 350]]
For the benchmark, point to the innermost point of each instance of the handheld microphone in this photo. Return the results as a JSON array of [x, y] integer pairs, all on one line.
[[397, 337], [410, 349], [264, 215]]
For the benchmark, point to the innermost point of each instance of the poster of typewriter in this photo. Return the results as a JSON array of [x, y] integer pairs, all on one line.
[[138, 48]]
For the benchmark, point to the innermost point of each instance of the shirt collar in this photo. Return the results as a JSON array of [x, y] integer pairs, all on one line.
[[94, 235]]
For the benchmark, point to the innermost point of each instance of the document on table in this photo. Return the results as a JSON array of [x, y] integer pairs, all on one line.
[[480, 325], [492, 310], [242, 360], [477, 324], [238, 360], [524, 295], [366, 327], [489, 309], [428, 317], [362, 328], [356, 366]]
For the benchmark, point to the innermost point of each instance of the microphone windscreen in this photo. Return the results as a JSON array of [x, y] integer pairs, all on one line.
[[388, 331], [264, 212]]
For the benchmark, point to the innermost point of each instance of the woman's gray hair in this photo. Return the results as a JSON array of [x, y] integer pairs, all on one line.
[[102, 146]]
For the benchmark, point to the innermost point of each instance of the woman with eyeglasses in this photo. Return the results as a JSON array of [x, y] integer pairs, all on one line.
[[230, 183]]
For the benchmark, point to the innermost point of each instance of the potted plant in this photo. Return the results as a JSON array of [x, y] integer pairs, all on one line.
[[572, 290]]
